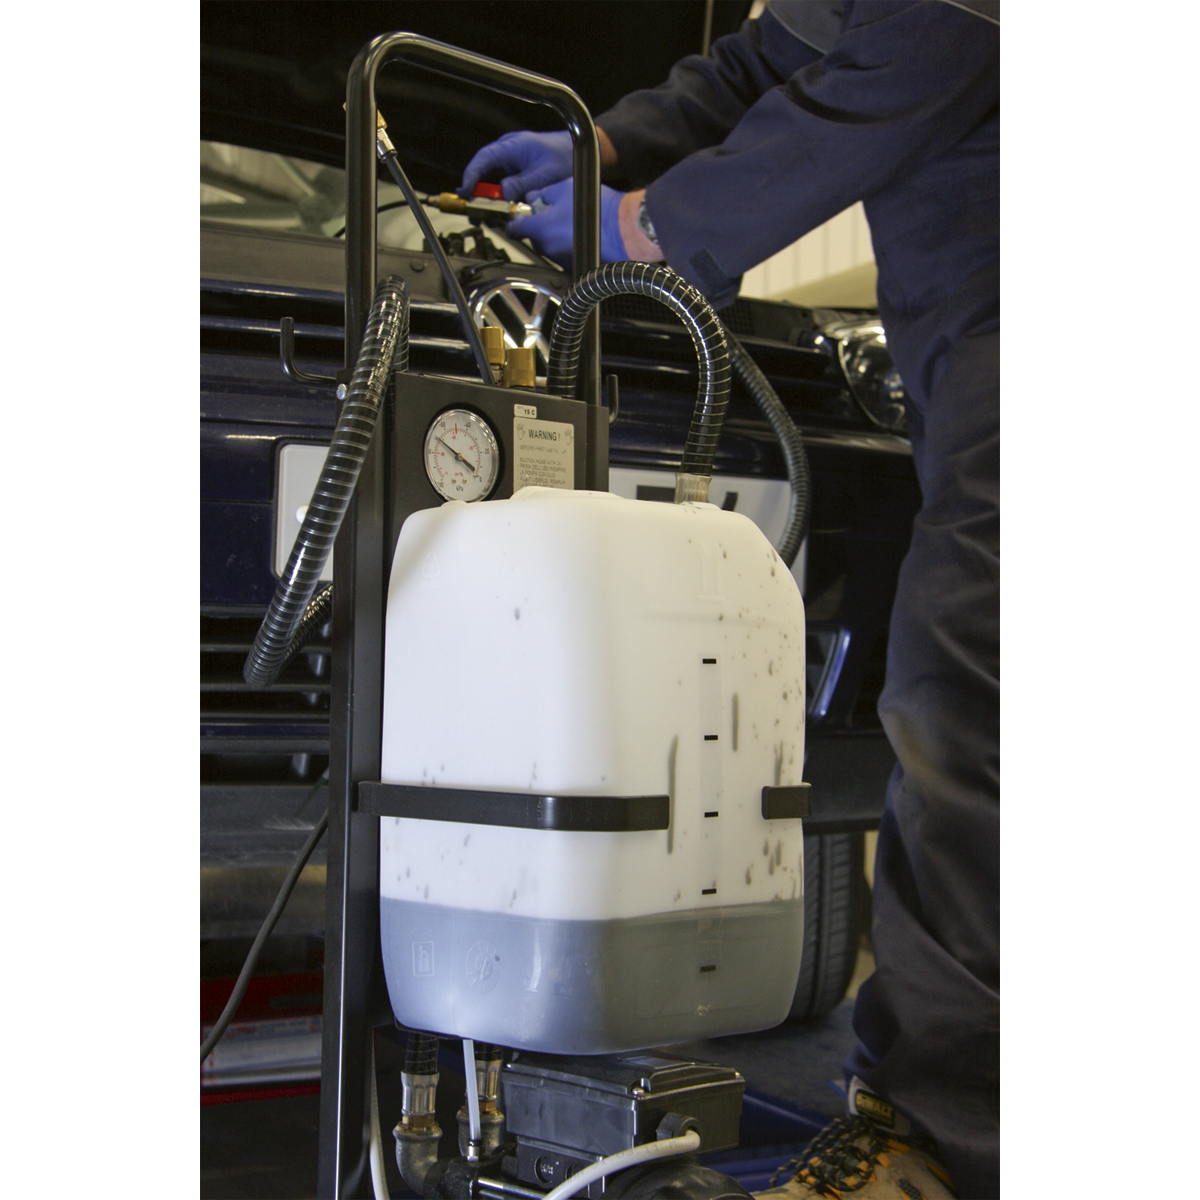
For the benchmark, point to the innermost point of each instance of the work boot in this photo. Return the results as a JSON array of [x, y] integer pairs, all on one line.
[[871, 1157]]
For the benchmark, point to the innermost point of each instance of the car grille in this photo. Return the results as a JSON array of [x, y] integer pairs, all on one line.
[[243, 319], [277, 740], [644, 343], [263, 754], [232, 715]]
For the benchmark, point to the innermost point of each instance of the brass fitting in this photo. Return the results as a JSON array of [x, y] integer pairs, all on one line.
[[520, 367], [451, 203], [492, 337], [382, 140], [480, 206], [417, 1132]]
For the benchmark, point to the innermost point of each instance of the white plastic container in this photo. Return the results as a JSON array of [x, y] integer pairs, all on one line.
[[578, 643]]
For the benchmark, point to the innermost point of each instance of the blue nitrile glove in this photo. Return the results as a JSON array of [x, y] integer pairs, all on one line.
[[526, 160], [550, 229]]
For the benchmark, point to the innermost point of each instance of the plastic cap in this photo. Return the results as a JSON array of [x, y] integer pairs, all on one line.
[[488, 191]]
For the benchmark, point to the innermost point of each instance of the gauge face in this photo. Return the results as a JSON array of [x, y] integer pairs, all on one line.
[[462, 457]]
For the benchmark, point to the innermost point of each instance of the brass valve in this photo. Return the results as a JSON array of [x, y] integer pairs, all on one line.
[[492, 337], [479, 206], [520, 367]]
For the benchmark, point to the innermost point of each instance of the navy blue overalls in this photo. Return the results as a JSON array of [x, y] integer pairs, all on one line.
[[791, 120]]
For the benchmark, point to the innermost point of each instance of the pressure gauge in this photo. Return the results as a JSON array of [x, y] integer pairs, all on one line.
[[462, 457]]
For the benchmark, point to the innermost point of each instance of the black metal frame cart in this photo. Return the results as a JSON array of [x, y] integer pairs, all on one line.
[[355, 999]]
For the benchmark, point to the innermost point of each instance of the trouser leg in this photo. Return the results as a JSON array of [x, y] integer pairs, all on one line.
[[928, 1018]]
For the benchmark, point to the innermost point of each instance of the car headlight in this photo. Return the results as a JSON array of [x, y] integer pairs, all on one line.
[[870, 372]]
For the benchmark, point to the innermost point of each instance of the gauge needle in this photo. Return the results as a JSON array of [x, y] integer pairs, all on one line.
[[461, 457]]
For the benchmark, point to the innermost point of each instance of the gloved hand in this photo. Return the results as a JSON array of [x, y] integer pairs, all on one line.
[[527, 160], [550, 229]]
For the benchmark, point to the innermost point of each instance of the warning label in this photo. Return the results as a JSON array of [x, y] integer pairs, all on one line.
[[543, 454]]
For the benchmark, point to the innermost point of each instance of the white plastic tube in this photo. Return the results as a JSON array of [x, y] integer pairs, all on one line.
[[378, 1177], [474, 1124], [623, 1160]]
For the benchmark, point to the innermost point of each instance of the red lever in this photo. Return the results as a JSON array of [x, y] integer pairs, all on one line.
[[488, 191]]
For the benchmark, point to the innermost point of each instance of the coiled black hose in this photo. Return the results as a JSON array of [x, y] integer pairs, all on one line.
[[790, 443], [317, 614], [662, 284], [384, 347]]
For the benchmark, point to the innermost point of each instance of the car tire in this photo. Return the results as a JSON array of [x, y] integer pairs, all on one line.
[[834, 915]]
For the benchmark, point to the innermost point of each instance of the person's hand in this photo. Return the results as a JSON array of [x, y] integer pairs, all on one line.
[[550, 229], [526, 160]]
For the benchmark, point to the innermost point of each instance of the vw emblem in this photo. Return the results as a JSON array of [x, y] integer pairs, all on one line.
[[523, 309]]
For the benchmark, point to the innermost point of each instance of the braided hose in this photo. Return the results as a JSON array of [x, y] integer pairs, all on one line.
[[662, 284], [420, 1054], [384, 348], [790, 443]]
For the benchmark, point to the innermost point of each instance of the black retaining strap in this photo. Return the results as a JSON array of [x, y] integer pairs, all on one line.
[[575, 814], [517, 810]]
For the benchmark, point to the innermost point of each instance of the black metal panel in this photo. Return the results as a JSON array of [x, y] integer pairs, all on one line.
[[235, 553], [419, 399], [849, 776], [236, 462], [515, 810]]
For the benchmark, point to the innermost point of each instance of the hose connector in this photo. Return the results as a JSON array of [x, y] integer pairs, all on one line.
[[691, 488], [489, 1060], [418, 1132], [383, 143], [419, 1101]]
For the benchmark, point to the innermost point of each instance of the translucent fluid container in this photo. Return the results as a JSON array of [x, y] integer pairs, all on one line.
[[581, 644]]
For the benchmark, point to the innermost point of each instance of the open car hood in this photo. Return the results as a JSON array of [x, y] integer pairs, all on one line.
[[273, 76]]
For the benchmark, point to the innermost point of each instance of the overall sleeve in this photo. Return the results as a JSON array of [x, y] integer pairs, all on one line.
[[903, 82], [702, 99]]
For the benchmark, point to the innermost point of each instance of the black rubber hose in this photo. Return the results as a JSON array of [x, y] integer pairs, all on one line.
[[790, 443], [420, 1055], [247, 972], [662, 284], [384, 347], [392, 161]]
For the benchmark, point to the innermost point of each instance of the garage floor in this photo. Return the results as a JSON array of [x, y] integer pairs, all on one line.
[[261, 1149]]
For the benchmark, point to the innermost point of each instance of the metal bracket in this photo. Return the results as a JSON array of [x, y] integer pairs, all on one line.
[[287, 356], [614, 398], [781, 803]]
